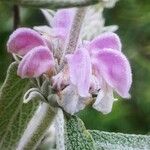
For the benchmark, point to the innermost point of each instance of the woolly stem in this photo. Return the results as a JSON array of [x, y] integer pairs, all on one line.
[[73, 36]]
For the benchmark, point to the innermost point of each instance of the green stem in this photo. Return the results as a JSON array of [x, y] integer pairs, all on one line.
[[16, 15], [36, 128]]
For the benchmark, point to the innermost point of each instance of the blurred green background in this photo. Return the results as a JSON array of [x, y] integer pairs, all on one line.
[[133, 18]]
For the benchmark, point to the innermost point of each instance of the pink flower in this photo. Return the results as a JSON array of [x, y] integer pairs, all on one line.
[[36, 48], [109, 67], [37, 57], [97, 67]]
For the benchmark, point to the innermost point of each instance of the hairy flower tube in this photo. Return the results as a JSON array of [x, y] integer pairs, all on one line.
[[90, 74]]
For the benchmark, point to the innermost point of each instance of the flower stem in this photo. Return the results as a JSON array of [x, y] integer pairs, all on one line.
[[16, 16], [73, 36]]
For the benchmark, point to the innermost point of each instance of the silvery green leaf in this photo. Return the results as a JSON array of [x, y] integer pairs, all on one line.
[[120, 141], [14, 115], [71, 133], [77, 137], [37, 127], [32, 94]]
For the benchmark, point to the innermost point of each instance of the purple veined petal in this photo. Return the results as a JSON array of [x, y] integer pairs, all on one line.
[[36, 62], [105, 40], [114, 67], [104, 100], [23, 40], [80, 70]]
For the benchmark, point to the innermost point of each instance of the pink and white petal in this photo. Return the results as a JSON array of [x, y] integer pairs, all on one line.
[[80, 70], [114, 67], [105, 40], [70, 101], [38, 61], [104, 101], [95, 84], [23, 40], [63, 18], [60, 80]]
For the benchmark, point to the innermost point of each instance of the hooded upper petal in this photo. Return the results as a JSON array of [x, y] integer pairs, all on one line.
[[105, 40], [80, 70], [114, 67], [62, 22], [63, 18], [36, 62], [23, 40]]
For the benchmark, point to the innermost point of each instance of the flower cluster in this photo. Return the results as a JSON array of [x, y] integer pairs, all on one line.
[[89, 75]]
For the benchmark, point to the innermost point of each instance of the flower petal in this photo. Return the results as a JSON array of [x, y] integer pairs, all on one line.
[[114, 67], [104, 101], [60, 80], [94, 84], [23, 40], [71, 101], [80, 70], [62, 22], [106, 40], [38, 61], [63, 18]]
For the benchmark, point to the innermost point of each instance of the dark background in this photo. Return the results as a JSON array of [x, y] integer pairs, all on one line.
[[133, 19]]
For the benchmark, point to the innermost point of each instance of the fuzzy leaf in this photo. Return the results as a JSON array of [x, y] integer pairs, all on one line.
[[14, 115], [120, 141], [77, 137]]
